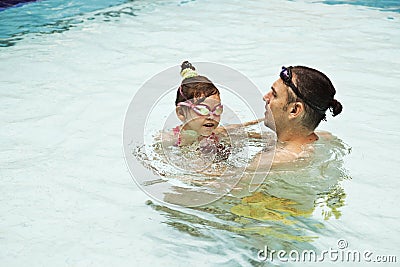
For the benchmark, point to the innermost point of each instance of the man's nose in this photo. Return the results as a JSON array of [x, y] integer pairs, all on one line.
[[266, 97]]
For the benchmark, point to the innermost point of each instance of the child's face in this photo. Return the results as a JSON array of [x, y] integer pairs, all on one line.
[[203, 125]]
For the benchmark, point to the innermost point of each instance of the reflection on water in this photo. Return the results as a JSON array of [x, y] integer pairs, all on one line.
[[384, 5], [286, 212], [192, 175], [49, 17]]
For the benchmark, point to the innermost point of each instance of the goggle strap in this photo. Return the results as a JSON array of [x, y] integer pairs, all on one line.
[[287, 79]]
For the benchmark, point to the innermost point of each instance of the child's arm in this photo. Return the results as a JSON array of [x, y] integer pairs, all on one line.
[[167, 139], [188, 137], [182, 138]]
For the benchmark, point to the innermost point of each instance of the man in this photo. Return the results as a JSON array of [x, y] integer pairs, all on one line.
[[295, 105]]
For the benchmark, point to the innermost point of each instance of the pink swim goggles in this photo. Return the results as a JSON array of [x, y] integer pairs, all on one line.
[[203, 109]]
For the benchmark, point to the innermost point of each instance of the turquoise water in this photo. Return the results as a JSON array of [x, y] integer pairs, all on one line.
[[386, 5], [68, 75], [50, 16]]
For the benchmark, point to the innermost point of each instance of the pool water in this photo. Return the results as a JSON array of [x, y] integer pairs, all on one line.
[[69, 71]]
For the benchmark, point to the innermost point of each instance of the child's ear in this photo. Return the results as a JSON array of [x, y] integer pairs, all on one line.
[[180, 114]]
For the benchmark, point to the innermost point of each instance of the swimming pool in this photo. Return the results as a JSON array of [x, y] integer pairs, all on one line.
[[69, 71]]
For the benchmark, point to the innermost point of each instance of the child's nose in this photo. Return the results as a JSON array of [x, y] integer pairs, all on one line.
[[211, 116]]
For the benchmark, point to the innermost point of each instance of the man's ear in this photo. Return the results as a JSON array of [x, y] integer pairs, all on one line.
[[296, 109], [180, 114]]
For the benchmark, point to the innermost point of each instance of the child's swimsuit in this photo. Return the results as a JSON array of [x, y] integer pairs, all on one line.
[[177, 131], [208, 145]]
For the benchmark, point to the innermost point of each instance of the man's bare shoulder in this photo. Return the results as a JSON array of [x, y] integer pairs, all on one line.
[[325, 135]]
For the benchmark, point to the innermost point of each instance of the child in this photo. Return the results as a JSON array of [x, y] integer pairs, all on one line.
[[199, 108]]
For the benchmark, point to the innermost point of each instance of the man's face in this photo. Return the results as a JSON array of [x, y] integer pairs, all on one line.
[[276, 113]]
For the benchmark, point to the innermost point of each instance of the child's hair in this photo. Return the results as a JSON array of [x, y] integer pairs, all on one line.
[[194, 86]]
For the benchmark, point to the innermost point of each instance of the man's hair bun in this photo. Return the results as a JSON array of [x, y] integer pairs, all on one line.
[[335, 107]]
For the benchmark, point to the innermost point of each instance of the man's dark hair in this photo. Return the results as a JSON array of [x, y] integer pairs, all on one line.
[[317, 89]]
